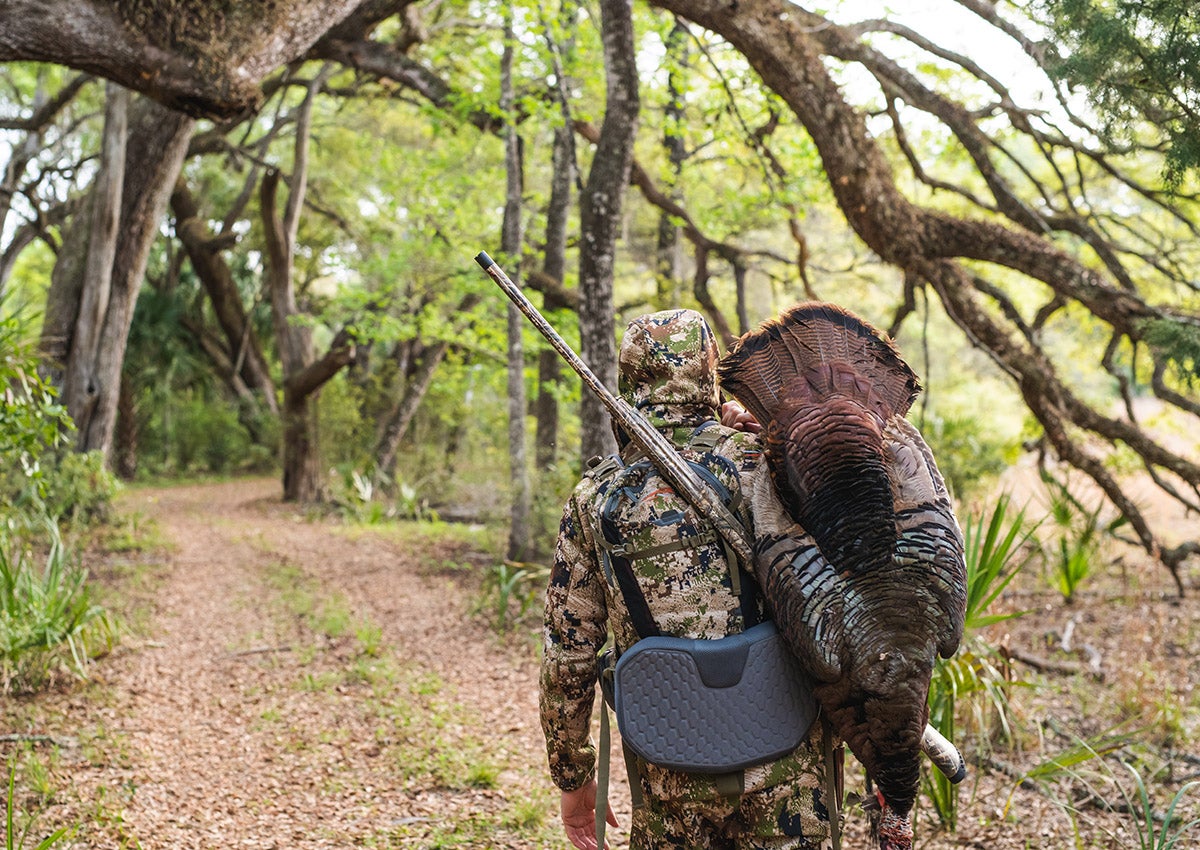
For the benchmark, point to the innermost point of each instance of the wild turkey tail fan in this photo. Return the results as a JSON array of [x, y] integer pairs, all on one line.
[[817, 349], [822, 382]]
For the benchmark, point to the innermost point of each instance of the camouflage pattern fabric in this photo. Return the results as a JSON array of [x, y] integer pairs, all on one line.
[[667, 364]]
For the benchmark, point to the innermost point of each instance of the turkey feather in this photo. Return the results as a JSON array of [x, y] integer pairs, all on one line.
[[857, 549]]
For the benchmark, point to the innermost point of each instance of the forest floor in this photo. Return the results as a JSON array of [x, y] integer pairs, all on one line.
[[293, 681]]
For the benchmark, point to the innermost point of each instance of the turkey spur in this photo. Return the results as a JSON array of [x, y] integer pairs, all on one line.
[[857, 548]]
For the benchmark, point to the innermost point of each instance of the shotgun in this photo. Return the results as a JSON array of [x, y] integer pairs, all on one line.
[[662, 453]]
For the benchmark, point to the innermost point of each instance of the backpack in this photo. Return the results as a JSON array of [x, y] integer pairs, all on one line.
[[642, 518], [699, 706]]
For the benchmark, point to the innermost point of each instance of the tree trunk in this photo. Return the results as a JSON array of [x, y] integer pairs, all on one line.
[[301, 452], [510, 245], [667, 254], [301, 446], [303, 374], [601, 218], [554, 265], [243, 347], [81, 384], [564, 175], [92, 360]]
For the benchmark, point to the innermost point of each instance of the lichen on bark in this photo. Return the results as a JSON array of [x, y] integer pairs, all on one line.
[[215, 33]]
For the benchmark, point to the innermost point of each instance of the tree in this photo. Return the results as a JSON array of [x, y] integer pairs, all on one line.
[[202, 59], [103, 258], [1138, 63], [303, 372], [510, 243], [238, 355], [963, 259], [600, 216]]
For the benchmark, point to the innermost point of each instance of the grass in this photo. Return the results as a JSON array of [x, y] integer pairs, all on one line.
[[18, 840], [427, 736], [1108, 774], [48, 621]]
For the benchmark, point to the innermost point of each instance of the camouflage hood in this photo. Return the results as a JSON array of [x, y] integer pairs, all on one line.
[[668, 368]]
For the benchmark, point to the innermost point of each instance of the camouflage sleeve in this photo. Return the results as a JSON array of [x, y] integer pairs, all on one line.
[[575, 631]]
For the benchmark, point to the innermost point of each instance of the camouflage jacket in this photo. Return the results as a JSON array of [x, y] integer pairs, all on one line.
[[667, 365]]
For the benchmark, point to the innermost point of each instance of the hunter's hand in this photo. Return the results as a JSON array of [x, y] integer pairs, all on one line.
[[733, 415], [579, 816]]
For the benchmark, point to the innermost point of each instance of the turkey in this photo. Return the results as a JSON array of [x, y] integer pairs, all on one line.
[[856, 547]]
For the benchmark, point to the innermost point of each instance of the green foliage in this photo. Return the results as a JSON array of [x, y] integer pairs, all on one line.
[[47, 619], [510, 592], [32, 422], [1139, 63], [80, 488], [14, 840], [969, 454], [1178, 343], [996, 550], [1074, 549], [355, 495], [191, 431]]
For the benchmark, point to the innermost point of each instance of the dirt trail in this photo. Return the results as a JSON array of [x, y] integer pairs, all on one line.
[[232, 720], [212, 736]]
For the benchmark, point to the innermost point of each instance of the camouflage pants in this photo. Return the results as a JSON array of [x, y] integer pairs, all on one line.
[[775, 813]]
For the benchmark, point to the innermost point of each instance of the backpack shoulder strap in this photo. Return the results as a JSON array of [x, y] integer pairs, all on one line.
[[706, 439]]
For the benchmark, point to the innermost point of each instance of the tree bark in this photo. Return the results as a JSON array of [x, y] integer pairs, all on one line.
[[601, 204], [243, 347], [81, 385], [554, 266], [156, 142], [203, 59], [510, 244]]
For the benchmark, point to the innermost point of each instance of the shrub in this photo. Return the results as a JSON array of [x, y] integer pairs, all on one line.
[[48, 622], [79, 488], [32, 421], [968, 453]]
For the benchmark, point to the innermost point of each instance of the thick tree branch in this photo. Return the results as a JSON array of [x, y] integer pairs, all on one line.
[[787, 47], [204, 59]]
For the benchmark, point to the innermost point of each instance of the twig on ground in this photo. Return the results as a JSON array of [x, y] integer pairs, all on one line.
[[259, 650], [1051, 665], [57, 740]]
